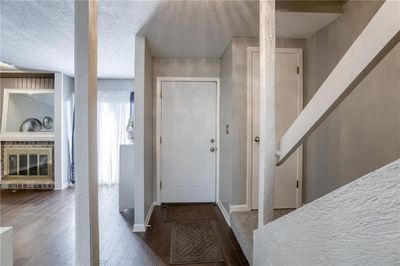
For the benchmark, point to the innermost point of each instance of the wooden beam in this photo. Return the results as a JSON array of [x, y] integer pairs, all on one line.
[[310, 6], [86, 205], [380, 35], [267, 112]]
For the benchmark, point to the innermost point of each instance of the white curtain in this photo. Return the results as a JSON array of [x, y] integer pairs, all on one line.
[[112, 119]]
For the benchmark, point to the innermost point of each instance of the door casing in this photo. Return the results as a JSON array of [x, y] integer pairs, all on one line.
[[250, 51], [159, 124]]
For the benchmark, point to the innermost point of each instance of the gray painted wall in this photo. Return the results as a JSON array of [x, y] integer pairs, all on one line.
[[226, 114], [233, 160], [239, 122], [143, 131], [186, 67], [149, 131], [234, 112], [115, 84], [363, 133]]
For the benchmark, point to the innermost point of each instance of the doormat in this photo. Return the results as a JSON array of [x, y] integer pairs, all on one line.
[[190, 212], [194, 242]]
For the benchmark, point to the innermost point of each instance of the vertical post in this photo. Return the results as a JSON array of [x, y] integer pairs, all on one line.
[[267, 112], [58, 125], [86, 209]]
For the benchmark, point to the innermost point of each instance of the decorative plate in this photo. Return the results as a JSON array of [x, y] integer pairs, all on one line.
[[48, 122], [31, 125]]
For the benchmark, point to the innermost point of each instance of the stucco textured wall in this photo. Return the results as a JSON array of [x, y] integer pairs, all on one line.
[[357, 224]]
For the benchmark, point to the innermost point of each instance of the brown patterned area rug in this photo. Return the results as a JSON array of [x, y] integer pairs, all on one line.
[[194, 242], [190, 212]]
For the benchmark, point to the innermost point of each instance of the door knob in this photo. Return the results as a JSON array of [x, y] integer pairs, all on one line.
[[212, 149], [257, 139]]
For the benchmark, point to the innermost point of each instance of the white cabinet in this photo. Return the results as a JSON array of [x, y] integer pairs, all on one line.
[[6, 246]]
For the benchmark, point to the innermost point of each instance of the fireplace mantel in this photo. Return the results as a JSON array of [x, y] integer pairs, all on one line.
[[37, 136]]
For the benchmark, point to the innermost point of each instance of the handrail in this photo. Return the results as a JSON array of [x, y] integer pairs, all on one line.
[[380, 35]]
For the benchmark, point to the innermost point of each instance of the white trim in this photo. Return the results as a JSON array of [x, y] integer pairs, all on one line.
[[21, 136], [238, 208], [224, 212], [159, 124], [139, 228], [250, 51]]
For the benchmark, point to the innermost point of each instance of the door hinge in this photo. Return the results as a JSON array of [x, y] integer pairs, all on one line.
[[160, 184], [298, 70], [297, 184], [160, 139]]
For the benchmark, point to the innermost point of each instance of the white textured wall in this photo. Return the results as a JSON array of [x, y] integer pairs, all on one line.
[[357, 224]]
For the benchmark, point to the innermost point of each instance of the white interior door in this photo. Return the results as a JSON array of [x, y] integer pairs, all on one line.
[[188, 130], [288, 104]]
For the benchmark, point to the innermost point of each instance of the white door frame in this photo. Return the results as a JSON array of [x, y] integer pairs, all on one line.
[[159, 124], [250, 51]]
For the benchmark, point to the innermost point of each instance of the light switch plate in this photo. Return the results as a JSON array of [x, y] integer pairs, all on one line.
[[228, 129]]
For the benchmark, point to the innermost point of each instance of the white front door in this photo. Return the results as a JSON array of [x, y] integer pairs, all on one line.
[[188, 137], [288, 105]]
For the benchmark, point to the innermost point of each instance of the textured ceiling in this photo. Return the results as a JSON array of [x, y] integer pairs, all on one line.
[[199, 28], [40, 34]]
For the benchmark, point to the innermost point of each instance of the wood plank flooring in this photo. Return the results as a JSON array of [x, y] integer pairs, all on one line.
[[44, 231]]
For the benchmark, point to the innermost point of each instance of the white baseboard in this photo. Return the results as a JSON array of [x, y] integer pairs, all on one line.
[[63, 186], [139, 228], [238, 208], [224, 212]]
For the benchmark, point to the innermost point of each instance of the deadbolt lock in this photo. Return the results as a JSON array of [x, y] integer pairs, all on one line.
[[257, 139]]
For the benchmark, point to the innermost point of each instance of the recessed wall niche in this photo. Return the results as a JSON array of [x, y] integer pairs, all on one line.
[[28, 111]]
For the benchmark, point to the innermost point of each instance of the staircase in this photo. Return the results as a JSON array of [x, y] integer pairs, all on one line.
[[243, 225]]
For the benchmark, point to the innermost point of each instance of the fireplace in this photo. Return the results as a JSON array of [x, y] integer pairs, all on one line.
[[28, 165]]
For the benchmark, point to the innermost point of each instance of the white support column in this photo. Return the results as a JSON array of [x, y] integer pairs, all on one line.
[[86, 209], [267, 111]]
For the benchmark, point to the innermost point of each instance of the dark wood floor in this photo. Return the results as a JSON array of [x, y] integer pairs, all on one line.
[[44, 231]]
